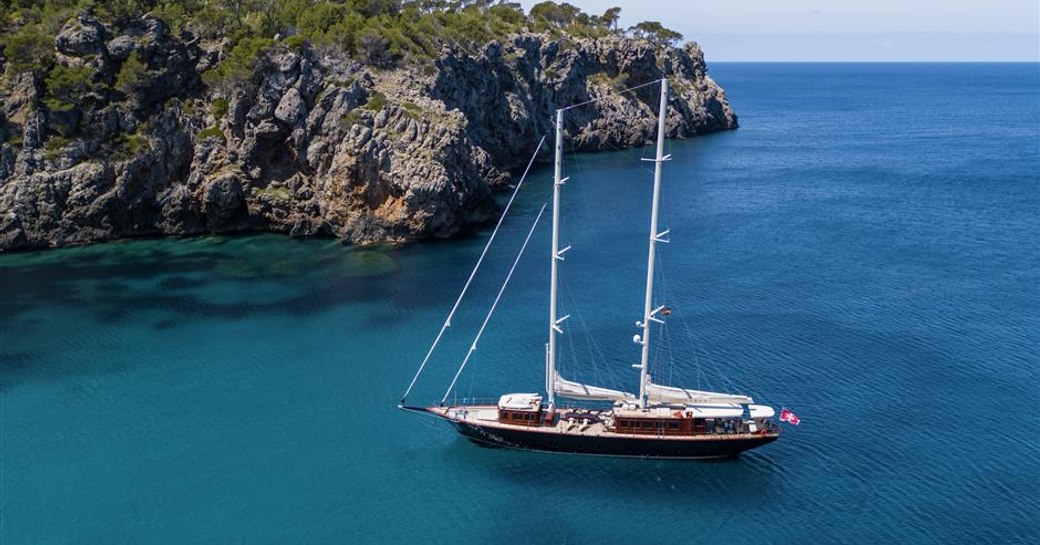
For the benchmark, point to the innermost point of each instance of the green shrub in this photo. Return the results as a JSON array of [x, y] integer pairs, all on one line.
[[57, 105], [219, 108], [412, 110], [656, 33], [128, 146], [15, 138], [54, 146], [210, 132], [238, 66], [296, 42], [275, 193], [353, 117], [135, 143], [69, 86], [376, 101], [132, 73], [29, 49]]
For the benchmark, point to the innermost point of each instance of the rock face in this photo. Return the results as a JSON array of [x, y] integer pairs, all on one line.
[[314, 143]]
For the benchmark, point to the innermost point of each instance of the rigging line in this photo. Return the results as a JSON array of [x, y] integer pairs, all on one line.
[[710, 371], [666, 339], [671, 357], [573, 308], [487, 246], [574, 352], [597, 353], [595, 374], [622, 91], [498, 297], [599, 359], [690, 337], [698, 347]]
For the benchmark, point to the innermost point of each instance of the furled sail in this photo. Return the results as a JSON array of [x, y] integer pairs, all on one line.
[[656, 393], [575, 390]]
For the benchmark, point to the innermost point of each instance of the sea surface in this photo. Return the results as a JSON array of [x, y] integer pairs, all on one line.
[[864, 251]]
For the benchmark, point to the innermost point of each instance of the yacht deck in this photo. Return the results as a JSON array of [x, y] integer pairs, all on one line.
[[575, 422]]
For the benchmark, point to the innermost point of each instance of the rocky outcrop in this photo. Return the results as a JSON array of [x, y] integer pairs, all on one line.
[[313, 143]]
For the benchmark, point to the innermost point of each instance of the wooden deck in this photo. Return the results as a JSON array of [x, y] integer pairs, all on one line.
[[584, 423]]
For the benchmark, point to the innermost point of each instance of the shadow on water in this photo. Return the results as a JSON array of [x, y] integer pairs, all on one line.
[[163, 284], [202, 278], [12, 365], [174, 283]]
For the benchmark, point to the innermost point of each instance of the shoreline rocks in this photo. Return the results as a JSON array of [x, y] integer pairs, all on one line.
[[313, 143]]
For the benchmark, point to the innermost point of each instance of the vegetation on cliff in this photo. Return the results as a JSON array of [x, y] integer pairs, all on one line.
[[380, 33]]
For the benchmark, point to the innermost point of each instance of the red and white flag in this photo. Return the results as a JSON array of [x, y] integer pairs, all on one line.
[[789, 417]]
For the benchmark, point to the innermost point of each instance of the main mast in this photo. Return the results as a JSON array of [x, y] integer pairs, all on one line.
[[557, 256], [655, 237]]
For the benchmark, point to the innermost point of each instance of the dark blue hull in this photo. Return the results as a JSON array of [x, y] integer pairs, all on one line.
[[620, 445]]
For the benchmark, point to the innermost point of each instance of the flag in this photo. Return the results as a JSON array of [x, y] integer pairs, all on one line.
[[789, 417]]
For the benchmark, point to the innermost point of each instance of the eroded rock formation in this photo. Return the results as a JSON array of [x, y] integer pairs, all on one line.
[[313, 143]]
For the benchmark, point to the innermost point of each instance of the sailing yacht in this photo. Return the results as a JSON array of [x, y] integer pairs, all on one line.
[[657, 422]]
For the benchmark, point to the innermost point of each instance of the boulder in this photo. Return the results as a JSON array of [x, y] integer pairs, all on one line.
[[80, 37]]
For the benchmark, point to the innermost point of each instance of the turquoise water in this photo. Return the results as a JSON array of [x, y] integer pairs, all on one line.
[[863, 251]]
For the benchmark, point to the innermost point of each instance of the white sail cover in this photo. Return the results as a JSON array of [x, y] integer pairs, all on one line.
[[761, 411], [714, 411], [656, 393], [576, 390]]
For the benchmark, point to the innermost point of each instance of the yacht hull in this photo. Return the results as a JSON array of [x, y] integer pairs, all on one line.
[[611, 445]]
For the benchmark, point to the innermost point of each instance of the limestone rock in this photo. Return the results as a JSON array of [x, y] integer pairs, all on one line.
[[314, 143], [82, 36]]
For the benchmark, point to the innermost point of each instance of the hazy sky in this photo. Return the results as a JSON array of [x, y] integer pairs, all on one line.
[[836, 30]]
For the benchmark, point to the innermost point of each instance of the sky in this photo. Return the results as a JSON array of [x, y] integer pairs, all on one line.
[[844, 30]]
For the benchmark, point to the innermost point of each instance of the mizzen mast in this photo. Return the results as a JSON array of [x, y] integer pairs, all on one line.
[[649, 313]]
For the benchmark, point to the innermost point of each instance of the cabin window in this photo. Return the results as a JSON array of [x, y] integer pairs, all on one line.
[[648, 425], [673, 425], [622, 423]]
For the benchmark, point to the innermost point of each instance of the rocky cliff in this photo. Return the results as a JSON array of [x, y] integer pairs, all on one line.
[[312, 142]]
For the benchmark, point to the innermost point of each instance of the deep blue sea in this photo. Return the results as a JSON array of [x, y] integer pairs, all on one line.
[[864, 250]]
